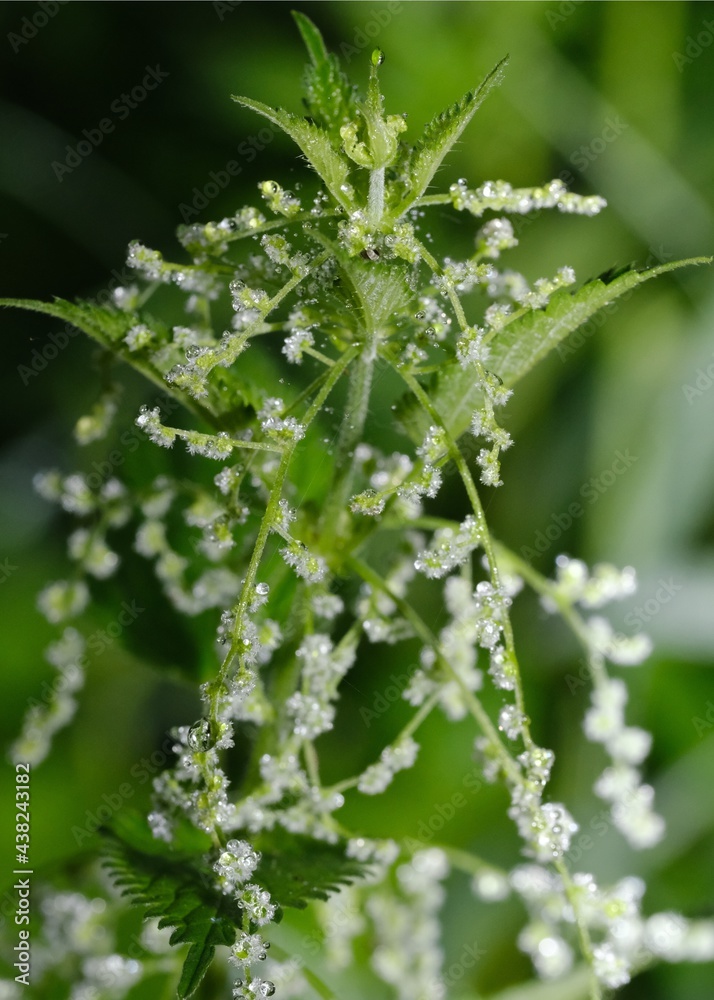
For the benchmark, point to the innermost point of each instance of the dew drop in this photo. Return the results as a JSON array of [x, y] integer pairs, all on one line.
[[377, 57], [199, 736]]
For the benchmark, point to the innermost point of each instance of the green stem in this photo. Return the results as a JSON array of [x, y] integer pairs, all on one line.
[[474, 706], [270, 518], [546, 588], [375, 199], [351, 433], [586, 946], [411, 727], [266, 227], [484, 533], [320, 987]]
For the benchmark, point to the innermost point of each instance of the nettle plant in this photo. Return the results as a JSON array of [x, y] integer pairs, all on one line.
[[305, 562]]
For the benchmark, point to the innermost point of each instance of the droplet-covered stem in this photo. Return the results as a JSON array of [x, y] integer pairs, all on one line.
[[375, 201], [350, 435]]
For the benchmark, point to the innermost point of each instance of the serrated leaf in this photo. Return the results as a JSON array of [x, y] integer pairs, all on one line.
[[105, 325], [522, 344], [418, 165], [382, 291], [176, 888], [376, 291], [228, 395], [315, 143], [295, 869], [175, 884], [330, 97]]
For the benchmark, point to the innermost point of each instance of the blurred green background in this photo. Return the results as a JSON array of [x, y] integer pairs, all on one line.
[[615, 98]]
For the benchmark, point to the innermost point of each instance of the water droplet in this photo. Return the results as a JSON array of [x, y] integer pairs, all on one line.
[[377, 57], [199, 736], [370, 253], [420, 315]]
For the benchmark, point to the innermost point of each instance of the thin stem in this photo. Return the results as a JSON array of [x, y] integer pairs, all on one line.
[[311, 762], [467, 861], [548, 589], [266, 227], [314, 353], [350, 435], [270, 518], [320, 987], [484, 533], [411, 727], [227, 355], [424, 632], [185, 435], [586, 946], [375, 199]]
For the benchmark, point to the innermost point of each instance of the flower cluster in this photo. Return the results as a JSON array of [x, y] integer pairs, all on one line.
[[347, 291]]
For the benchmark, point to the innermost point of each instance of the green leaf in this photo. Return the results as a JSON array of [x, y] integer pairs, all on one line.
[[176, 884], [372, 291], [105, 325], [330, 97], [228, 396], [295, 869], [522, 344], [177, 889], [382, 291], [419, 164], [315, 143]]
